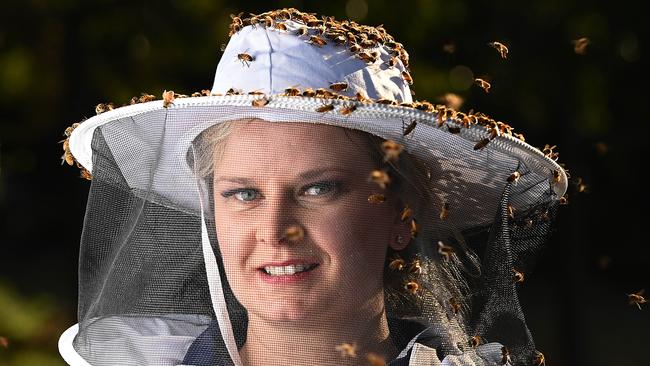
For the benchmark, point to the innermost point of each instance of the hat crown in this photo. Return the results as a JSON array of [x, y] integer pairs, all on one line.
[[269, 60]]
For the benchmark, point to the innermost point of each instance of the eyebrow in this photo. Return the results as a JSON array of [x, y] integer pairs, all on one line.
[[309, 174]]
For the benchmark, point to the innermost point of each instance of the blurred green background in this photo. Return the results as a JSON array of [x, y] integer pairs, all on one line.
[[58, 59]]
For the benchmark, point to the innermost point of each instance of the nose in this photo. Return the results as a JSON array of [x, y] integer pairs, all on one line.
[[277, 225]]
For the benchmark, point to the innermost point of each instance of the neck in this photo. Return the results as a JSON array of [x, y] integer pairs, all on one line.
[[318, 341]]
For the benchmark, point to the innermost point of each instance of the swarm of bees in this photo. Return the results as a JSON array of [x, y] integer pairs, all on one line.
[[67, 156]]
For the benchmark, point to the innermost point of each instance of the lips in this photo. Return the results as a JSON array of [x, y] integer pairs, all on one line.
[[287, 271]]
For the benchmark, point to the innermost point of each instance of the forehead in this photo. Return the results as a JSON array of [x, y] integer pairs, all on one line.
[[263, 145]]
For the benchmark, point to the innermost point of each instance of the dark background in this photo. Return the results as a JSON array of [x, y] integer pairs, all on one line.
[[58, 59]]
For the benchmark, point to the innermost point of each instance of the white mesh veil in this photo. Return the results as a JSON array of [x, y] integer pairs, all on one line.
[[300, 228]]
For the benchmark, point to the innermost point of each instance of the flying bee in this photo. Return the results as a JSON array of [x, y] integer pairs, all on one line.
[[503, 50], [391, 150], [245, 59], [291, 92], [445, 250], [406, 213], [444, 211], [514, 177], [375, 360], [412, 287], [317, 41], [380, 177], [4, 342], [409, 128], [505, 356], [511, 211], [349, 109], [539, 359], [397, 264], [481, 144], [260, 102], [168, 98], [637, 298], [414, 228], [415, 267], [347, 349], [519, 276], [376, 198], [407, 77], [475, 341], [581, 187], [580, 45], [339, 87], [294, 233], [449, 48], [325, 108], [483, 84], [455, 305]]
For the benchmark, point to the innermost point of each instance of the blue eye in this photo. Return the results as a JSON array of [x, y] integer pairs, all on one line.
[[244, 195], [321, 188]]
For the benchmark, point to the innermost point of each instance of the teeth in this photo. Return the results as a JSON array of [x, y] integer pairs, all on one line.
[[286, 270]]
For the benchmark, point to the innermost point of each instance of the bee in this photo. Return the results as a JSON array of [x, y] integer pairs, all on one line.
[[392, 62], [260, 102], [454, 130], [549, 152], [505, 356], [444, 211], [309, 92], [455, 305], [406, 213], [375, 360], [349, 109], [294, 233], [581, 187], [380, 177], [339, 87], [205, 92], [104, 107], [637, 298], [361, 98], [475, 341], [412, 287], [425, 106], [376, 198], [519, 276], [514, 177], [557, 177], [367, 57], [391, 150], [324, 93], [85, 174], [519, 136], [268, 21], [281, 26], [325, 108], [449, 48], [483, 84], [409, 128], [580, 45], [245, 59], [503, 50], [397, 264], [511, 211], [545, 216], [355, 48], [407, 77], [302, 31], [291, 92], [4, 342], [529, 222], [195, 94], [255, 92], [347, 349], [386, 101], [564, 200], [415, 267], [445, 250], [539, 359], [233, 91], [317, 41], [168, 98], [414, 228], [481, 144]]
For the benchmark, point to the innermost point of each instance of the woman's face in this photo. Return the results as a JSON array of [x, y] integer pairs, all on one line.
[[275, 176]]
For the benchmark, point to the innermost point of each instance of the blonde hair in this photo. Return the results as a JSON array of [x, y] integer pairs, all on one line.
[[411, 182]]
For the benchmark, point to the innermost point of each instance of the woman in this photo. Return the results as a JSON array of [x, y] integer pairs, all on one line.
[[305, 211]]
